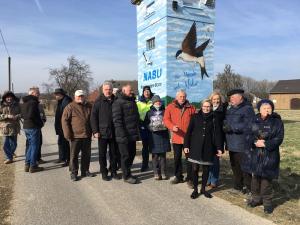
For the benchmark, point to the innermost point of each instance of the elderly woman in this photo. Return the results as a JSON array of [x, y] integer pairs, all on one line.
[[219, 111], [203, 140], [268, 132]]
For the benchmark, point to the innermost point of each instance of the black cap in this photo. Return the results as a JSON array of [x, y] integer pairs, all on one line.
[[235, 91], [59, 91], [265, 101]]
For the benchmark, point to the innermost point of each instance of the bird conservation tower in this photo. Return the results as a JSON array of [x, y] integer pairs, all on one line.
[[175, 47]]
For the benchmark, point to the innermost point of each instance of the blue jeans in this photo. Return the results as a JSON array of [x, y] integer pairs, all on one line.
[[214, 171], [9, 146], [33, 137]]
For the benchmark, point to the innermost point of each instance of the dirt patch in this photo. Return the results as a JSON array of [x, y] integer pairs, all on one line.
[[6, 189]]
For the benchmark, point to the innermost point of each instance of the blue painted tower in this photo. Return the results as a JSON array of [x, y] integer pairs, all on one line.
[[165, 30]]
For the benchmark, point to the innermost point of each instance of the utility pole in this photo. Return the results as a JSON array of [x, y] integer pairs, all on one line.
[[9, 73]]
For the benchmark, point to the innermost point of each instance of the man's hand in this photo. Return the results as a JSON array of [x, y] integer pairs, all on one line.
[[175, 129], [96, 135], [219, 153], [186, 150], [260, 143]]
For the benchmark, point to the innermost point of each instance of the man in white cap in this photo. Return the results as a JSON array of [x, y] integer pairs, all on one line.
[[77, 130]]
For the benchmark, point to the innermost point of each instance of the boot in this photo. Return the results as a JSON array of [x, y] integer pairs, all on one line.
[[34, 169], [105, 177], [26, 168], [194, 194]]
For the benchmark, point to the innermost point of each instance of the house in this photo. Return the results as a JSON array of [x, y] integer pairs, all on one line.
[[286, 94]]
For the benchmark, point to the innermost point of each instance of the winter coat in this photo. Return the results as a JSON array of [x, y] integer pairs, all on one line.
[[76, 120], [203, 137], [159, 139], [10, 126], [219, 114], [61, 104], [264, 162], [42, 113], [125, 119], [101, 117], [175, 116], [31, 113], [239, 119]]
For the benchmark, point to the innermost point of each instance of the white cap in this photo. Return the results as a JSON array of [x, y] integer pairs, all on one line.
[[79, 93]]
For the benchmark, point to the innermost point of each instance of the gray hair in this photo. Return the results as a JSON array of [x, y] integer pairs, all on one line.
[[33, 89], [181, 91], [107, 83]]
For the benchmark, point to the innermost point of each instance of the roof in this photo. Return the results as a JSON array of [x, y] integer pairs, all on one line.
[[286, 87]]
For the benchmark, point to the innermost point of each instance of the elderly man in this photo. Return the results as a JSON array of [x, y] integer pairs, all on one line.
[[63, 145], [103, 129], [237, 127], [126, 121], [32, 127], [77, 130], [177, 118]]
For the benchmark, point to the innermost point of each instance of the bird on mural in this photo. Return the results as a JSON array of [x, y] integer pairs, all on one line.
[[189, 52]]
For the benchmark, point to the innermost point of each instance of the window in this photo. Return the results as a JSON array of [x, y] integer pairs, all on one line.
[[151, 43]]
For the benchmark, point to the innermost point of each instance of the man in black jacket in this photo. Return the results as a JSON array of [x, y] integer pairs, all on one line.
[[103, 129], [63, 145], [126, 121], [32, 126]]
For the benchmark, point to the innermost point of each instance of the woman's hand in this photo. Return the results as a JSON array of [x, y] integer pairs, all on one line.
[[186, 150], [260, 143], [219, 154]]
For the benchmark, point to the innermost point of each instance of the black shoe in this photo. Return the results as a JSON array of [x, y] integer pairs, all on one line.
[[65, 164], [268, 209], [105, 177], [115, 176], [206, 194], [253, 204], [130, 180], [195, 194], [87, 174], [74, 177], [26, 168], [34, 169], [177, 180]]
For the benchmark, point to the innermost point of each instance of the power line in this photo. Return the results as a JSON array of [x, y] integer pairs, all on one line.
[[4, 42]]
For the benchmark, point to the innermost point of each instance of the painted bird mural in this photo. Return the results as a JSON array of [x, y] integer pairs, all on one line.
[[190, 53]]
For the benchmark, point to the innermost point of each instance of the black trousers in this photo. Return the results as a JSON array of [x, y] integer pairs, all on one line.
[[261, 189], [102, 147], [159, 163], [78, 145], [240, 178], [63, 148], [177, 148], [145, 153], [127, 152], [205, 174]]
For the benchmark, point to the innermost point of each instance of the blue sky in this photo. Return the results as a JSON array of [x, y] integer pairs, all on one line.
[[258, 38]]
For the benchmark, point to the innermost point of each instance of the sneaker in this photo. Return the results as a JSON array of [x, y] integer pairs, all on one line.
[[8, 161], [26, 168], [194, 194], [74, 177], [206, 194], [130, 180], [105, 177], [268, 209], [115, 176], [34, 169], [177, 180]]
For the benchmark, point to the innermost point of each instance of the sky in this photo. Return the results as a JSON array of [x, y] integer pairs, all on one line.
[[259, 39]]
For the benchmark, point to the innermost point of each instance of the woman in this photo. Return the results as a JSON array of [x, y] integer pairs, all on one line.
[[202, 142], [268, 133], [10, 114], [159, 140], [219, 111]]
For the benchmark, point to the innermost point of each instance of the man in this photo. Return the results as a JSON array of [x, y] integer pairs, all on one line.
[[103, 129], [32, 127], [126, 120], [177, 118], [10, 114], [77, 130], [237, 127], [63, 145], [144, 105]]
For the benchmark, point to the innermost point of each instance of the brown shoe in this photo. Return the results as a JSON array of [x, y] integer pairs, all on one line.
[[26, 168], [34, 169], [8, 161]]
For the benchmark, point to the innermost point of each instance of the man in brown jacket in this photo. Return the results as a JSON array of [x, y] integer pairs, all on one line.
[[77, 130]]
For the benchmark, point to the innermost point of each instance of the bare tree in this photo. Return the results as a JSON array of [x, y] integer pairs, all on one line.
[[73, 76]]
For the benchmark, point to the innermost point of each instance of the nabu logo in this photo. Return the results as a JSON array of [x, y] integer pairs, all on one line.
[[152, 75]]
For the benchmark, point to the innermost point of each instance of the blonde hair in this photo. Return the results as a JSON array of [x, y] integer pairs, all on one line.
[[206, 100], [217, 92]]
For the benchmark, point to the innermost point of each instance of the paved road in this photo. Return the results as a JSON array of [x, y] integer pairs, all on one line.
[[50, 198]]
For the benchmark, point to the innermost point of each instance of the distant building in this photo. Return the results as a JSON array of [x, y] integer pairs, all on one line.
[[286, 94]]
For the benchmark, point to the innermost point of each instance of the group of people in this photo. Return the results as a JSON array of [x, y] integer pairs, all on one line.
[[117, 120]]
